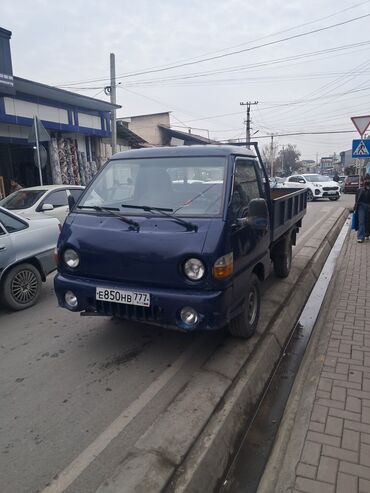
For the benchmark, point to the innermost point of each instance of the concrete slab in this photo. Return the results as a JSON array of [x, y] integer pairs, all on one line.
[[140, 474], [172, 437], [216, 445]]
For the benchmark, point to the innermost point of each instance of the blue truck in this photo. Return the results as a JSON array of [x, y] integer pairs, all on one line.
[[179, 237]]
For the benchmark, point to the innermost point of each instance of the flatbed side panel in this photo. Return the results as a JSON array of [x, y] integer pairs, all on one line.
[[289, 206]]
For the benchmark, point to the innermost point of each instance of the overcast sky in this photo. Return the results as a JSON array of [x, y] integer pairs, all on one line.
[[68, 43]]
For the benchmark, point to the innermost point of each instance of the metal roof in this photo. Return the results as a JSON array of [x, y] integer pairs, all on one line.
[[55, 94], [186, 136], [184, 151]]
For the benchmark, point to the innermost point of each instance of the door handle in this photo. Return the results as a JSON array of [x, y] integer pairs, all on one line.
[[2, 247]]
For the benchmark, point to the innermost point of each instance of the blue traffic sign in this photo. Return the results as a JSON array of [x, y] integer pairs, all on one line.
[[361, 148]]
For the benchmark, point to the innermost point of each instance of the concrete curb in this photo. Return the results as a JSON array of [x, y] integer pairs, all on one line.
[[191, 455]]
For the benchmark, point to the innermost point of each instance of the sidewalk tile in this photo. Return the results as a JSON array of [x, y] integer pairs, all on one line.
[[338, 393], [330, 403], [354, 425], [312, 486], [365, 454], [334, 426], [364, 486], [351, 440], [345, 414], [353, 404], [306, 471], [314, 426], [313, 436], [354, 469], [365, 418], [327, 470], [326, 384], [338, 453], [365, 438], [311, 453], [319, 413], [347, 483]]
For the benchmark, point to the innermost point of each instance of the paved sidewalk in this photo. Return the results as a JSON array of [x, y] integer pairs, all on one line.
[[328, 446]]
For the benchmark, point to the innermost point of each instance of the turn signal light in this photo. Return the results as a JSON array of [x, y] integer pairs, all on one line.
[[224, 266]]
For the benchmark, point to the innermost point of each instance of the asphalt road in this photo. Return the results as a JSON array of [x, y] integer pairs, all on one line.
[[77, 392]]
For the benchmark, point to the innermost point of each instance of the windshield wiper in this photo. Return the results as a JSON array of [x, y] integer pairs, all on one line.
[[165, 212], [112, 212]]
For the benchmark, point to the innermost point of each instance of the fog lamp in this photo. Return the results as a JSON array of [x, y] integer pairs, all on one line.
[[71, 300], [189, 316]]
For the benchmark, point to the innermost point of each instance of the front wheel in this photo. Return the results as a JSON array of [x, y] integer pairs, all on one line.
[[21, 287], [333, 198], [309, 195], [245, 324]]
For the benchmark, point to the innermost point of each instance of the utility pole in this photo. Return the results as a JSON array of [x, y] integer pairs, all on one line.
[[113, 100], [248, 121], [272, 156]]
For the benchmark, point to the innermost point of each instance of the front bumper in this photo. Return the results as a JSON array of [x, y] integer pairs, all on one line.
[[320, 193], [213, 307]]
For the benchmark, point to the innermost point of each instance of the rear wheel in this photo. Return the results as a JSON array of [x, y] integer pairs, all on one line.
[[283, 261], [309, 195], [21, 287], [245, 324]]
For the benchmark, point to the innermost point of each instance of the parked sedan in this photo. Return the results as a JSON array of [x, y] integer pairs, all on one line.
[[48, 200], [318, 186], [26, 257]]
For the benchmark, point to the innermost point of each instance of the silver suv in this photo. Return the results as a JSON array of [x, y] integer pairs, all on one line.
[[26, 257]]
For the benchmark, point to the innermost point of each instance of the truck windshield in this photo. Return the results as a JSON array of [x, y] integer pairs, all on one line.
[[185, 186]]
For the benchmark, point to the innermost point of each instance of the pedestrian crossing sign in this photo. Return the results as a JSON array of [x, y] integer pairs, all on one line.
[[361, 148]]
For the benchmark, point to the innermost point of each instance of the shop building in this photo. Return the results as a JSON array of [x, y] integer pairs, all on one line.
[[77, 125]]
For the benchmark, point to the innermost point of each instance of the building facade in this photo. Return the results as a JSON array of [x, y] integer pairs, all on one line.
[[76, 125]]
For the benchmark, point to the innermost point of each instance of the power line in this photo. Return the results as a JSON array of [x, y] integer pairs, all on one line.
[[232, 53]]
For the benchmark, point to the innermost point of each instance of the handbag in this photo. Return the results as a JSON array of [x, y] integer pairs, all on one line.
[[354, 224]]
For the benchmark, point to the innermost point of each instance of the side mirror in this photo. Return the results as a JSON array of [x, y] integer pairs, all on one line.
[[47, 207], [71, 202], [257, 215], [301, 181]]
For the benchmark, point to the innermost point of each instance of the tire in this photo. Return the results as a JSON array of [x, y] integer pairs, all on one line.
[[22, 286], [283, 262], [333, 198], [245, 324], [310, 196]]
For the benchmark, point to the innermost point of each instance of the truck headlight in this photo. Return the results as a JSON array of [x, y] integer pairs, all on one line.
[[194, 269], [71, 258]]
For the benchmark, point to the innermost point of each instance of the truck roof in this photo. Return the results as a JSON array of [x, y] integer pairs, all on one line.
[[184, 151]]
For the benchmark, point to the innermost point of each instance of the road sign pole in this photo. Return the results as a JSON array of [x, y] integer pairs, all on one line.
[[38, 148]]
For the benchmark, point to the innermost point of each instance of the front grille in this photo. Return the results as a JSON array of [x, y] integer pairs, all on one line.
[[128, 312], [329, 188]]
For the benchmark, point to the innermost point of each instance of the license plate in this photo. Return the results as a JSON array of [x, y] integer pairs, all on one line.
[[124, 297], [332, 192]]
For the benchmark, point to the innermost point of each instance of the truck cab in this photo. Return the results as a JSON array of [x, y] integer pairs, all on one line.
[[178, 237]]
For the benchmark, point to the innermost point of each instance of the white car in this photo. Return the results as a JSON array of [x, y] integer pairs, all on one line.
[[38, 202], [318, 186], [26, 257]]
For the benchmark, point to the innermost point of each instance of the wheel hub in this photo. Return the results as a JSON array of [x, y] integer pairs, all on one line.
[[24, 286]]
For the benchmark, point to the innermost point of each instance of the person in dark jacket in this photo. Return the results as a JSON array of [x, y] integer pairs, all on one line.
[[362, 208]]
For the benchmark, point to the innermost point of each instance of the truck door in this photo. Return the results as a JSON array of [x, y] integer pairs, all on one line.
[[248, 244]]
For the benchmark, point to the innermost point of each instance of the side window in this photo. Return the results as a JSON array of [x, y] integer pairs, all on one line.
[[293, 179], [57, 199], [75, 192], [11, 223], [246, 185]]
